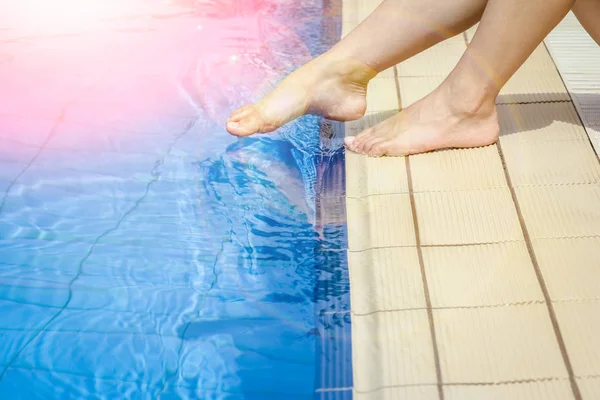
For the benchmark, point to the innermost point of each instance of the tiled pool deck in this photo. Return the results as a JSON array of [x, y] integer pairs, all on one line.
[[474, 273]]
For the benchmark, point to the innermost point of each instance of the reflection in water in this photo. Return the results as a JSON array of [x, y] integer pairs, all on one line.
[[144, 252]]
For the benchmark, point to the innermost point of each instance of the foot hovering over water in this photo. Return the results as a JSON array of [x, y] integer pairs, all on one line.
[[335, 89]]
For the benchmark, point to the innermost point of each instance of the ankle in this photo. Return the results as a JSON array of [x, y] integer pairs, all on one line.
[[468, 96], [347, 68]]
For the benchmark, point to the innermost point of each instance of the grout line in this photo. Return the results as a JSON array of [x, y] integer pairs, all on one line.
[[436, 245], [472, 244], [528, 185], [397, 82], [508, 103], [89, 253], [436, 353], [541, 281], [572, 101], [497, 383]]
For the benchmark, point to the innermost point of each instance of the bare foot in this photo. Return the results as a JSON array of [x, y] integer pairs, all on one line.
[[440, 120], [335, 89]]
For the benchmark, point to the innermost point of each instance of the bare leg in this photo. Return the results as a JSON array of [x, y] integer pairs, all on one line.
[[588, 14], [461, 112], [334, 84]]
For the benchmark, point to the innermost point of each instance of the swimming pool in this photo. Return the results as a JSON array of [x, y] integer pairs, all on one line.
[[144, 252]]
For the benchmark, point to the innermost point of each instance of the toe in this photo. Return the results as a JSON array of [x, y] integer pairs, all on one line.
[[349, 142], [378, 149], [364, 142], [368, 146], [247, 125], [362, 137], [240, 113]]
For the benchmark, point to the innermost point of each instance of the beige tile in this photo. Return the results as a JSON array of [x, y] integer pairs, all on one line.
[[497, 344], [414, 88], [485, 275], [380, 221], [464, 217], [539, 122], [353, 128], [550, 162], [382, 96], [368, 176], [553, 390], [457, 169], [349, 10], [580, 326], [589, 387], [540, 60], [530, 86], [347, 27], [571, 267], [400, 393], [391, 349], [560, 211], [385, 279], [471, 32], [366, 7], [436, 61]]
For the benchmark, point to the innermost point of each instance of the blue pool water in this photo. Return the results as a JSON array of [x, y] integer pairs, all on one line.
[[144, 252]]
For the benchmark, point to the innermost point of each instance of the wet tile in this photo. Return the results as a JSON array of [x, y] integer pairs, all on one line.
[[12, 151], [25, 130], [482, 275], [341, 394], [385, 280], [580, 328], [8, 172], [392, 349], [49, 382], [334, 351], [116, 164], [375, 176], [459, 169], [560, 211], [380, 221], [465, 217], [571, 267], [553, 390], [114, 137], [485, 345], [99, 355]]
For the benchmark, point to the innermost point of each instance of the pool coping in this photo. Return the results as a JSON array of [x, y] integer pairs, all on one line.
[[463, 283]]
